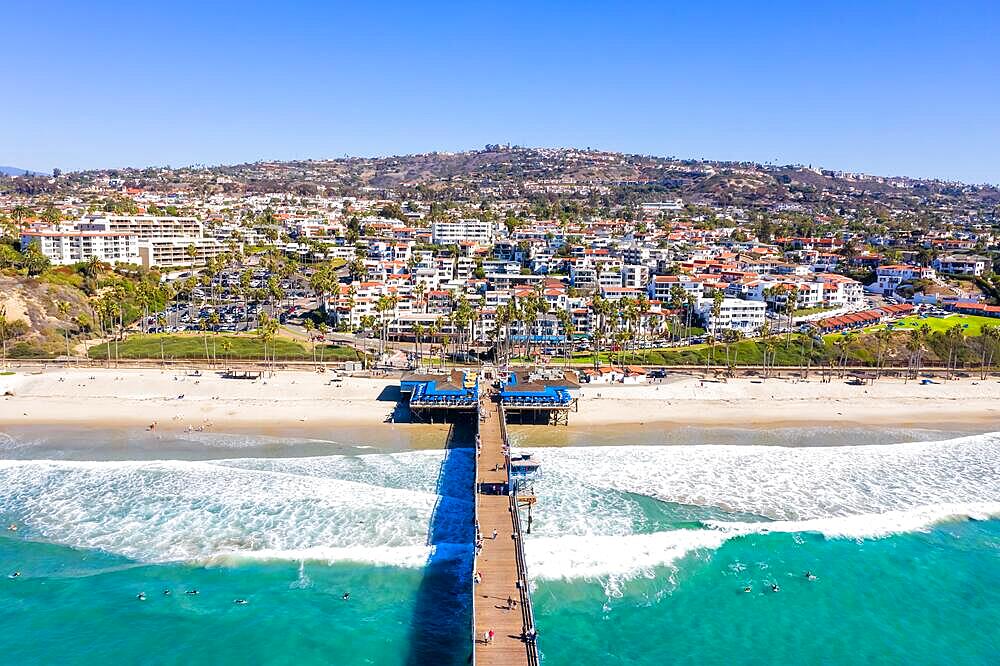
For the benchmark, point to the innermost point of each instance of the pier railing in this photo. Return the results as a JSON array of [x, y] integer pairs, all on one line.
[[527, 613], [475, 538], [524, 586]]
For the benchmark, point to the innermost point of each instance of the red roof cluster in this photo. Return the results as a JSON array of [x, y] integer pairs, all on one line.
[[864, 318]]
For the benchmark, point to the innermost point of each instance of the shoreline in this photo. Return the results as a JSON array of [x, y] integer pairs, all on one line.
[[302, 399]]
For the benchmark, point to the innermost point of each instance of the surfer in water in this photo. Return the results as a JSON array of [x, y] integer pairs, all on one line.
[[775, 588], [239, 602], [810, 576], [347, 595], [191, 592], [748, 589], [16, 574], [141, 596]]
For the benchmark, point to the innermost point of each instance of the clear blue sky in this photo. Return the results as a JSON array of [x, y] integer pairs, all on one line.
[[896, 88]]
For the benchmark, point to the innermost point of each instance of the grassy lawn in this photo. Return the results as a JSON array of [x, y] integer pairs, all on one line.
[[242, 347], [744, 352], [794, 351], [973, 324]]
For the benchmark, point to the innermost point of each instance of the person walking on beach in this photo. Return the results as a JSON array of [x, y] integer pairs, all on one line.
[[489, 636], [494, 535], [510, 603]]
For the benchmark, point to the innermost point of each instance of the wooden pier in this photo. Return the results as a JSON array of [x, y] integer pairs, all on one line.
[[499, 565]]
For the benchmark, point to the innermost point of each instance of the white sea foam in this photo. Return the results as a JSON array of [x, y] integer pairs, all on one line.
[[867, 526], [588, 490], [593, 522], [597, 516], [181, 510], [611, 560]]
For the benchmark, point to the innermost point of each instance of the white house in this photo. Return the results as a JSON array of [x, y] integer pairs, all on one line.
[[890, 276], [961, 264]]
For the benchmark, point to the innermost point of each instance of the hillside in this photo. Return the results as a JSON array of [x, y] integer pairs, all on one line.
[[32, 309], [499, 172]]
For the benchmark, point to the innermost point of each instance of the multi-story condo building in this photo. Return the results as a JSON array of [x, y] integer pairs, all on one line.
[[735, 314], [635, 276], [447, 233], [178, 252], [66, 245], [143, 226], [660, 287]]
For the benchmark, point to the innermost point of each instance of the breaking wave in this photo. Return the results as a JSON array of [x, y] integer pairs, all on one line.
[[603, 512]]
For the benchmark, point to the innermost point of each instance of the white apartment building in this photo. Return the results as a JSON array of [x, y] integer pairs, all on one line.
[[176, 253], [447, 233], [747, 317], [661, 286], [635, 276], [143, 226], [67, 245], [842, 291], [654, 208], [582, 277]]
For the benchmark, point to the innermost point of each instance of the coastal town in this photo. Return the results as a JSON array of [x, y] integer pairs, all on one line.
[[608, 275], [500, 334]]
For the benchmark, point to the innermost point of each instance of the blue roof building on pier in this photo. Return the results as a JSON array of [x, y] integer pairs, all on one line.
[[457, 390], [547, 393]]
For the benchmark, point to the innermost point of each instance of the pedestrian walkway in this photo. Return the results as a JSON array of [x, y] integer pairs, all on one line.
[[499, 563]]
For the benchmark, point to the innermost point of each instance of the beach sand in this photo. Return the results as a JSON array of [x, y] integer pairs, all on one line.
[[140, 397], [773, 402]]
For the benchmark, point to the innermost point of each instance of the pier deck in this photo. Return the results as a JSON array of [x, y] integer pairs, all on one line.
[[500, 562]]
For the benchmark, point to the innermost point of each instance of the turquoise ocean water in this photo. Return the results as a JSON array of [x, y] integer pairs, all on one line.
[[640, 554]]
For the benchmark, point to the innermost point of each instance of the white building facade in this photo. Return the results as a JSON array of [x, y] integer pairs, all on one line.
[[447, 233], [66, 245], [735, 314]]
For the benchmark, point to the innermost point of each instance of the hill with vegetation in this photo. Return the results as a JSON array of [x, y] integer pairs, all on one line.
[[505, 172]]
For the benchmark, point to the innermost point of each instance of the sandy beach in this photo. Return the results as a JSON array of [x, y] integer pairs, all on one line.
[[773, 402], [175, 400], [179, 400]]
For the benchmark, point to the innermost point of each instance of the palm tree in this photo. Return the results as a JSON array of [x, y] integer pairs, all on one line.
[[214, 321], [791, 301], [418, 292], [227, 348], [765, 334], [63, 308], [418, 333], [955, 337], [267, 328], [844, 344], [161, 321], [914, 345], [717, 300], [5, 331], [203, 325], [990, 337], [882, 339], [310, 328]]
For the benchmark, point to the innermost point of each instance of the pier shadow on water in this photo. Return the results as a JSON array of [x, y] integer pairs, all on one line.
[[440, 631]]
